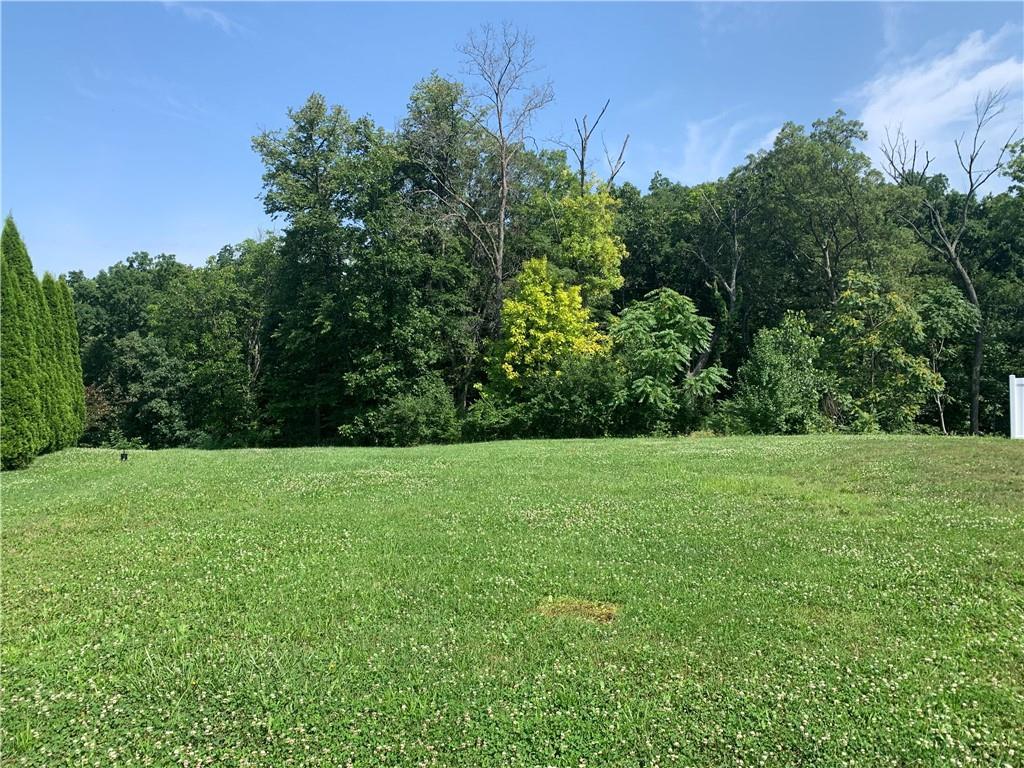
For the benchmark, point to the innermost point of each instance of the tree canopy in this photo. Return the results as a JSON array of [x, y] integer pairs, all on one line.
[[453, 279]]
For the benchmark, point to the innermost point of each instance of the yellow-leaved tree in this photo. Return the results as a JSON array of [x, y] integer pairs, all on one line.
[[542, 320], [589, 246]]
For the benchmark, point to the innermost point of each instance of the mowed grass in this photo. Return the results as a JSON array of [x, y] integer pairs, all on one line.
[[721, 601]]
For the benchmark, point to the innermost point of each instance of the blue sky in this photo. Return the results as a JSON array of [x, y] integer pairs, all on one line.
[[126, 126]]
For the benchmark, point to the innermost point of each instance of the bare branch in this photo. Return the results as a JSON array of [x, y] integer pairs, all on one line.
[[502, 65], [584, 131], [901, 158], [941, 222], [616, 166]]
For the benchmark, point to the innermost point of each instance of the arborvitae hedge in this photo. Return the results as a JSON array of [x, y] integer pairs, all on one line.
[[72, 362], [35, 316], [62, 413], [52, 384], [19, 409], [42, 400]]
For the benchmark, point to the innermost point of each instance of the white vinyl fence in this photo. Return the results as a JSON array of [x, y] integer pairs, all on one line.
[[1017, 407]]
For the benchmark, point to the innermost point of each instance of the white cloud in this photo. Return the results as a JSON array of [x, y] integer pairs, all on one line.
[[203, 15], [716, 145], [706, 149], [933, 99], [892, 37], [766, 141]]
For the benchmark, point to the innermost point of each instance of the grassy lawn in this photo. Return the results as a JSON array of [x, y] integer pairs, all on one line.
[[721, 601]]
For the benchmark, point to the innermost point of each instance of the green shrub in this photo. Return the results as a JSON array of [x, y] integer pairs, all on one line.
[[494, 416], [424, 414], [116, 439], [780, 386], [576, 398]]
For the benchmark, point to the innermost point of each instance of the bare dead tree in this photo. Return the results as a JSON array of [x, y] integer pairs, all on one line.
[[940, 223], [584, 131], [615, 166], [502, 62]]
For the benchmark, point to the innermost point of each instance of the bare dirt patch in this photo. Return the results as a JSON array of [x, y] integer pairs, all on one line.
[[589, 610]]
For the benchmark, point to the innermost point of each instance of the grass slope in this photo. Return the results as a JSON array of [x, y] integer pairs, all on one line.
[[812, 601]]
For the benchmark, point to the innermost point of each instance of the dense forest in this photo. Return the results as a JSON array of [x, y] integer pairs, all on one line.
[[450, 280]]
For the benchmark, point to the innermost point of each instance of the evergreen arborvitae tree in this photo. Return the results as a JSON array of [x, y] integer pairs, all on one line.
[[72, 364], [21, 417], [37, 328], [51, 390], [62, 409]]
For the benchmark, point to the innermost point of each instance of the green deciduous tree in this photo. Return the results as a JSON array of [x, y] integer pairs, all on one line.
[[821, 196], [403, 333], [947, 318], [720, 236], [941, 218], [115, 304], [873, 341], [313, 179], [202, 321], [149, 387]]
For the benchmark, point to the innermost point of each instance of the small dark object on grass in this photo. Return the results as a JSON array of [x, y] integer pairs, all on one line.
[[124, 455]]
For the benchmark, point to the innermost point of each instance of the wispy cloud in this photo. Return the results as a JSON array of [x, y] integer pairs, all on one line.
[[766, 141], [705, 149], [141, 91], [203, 15], [717, 19], [713, 146], [892, 29], [933, 98]]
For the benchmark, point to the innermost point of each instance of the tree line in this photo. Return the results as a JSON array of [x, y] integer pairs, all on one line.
[[449, 279], [42, 402]]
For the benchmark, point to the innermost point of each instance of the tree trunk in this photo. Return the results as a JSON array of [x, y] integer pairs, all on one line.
[[939, 395], [979, 345], [499, 254], [716, 332], [830, 284]]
